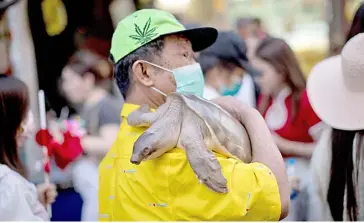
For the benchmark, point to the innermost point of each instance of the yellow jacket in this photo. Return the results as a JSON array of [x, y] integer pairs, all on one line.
[[166, 189]]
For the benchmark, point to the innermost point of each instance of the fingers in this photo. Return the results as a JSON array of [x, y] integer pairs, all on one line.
[[47, 193], [55, 131], [50, 196]]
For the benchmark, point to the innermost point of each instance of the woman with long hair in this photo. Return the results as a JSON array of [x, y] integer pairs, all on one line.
[[283, 100], [336, 90], [19, 199], [284, 104]]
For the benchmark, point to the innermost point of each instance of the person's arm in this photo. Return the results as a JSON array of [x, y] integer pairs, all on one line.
[[264, 149], [14, 202], [109, 121], [99, 145], [293, 148]]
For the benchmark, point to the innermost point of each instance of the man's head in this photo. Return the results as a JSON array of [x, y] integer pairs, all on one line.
[[147, 46]]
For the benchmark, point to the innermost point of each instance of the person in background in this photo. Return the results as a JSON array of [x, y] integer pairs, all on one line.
[[214, 80], [257, 29], [5, 67], [227, 69], [336, 91], [160, 62], [357, 26], [20, 200], [285, 106], [244, 28], [85, 82]]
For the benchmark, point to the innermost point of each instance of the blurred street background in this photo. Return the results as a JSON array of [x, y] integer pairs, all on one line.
[[42, 35]]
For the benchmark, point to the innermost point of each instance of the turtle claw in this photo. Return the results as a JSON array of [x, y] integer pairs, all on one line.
[[215, 186], [214, 179]]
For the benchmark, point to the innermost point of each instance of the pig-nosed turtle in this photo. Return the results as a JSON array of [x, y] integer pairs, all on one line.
[[194, 124]]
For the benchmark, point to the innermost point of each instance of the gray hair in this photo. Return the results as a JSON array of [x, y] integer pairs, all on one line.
[[123, 67]]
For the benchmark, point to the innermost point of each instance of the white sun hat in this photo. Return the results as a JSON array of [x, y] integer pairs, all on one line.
[[335, 87]]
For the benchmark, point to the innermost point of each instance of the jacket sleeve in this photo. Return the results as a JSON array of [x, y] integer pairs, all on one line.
[[14, 201]]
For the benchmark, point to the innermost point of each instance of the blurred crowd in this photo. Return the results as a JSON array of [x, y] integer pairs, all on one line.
[[317, 124]]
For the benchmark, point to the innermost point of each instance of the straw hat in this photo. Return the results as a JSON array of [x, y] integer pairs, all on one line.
[[335, 87]]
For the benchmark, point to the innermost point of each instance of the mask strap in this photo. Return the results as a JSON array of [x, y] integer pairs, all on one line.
[[155, 65], [156, 89], [159, 91]]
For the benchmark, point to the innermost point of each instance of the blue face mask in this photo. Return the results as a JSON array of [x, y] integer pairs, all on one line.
[[232, 90], [189, 78]]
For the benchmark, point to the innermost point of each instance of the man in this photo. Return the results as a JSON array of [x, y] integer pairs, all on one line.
[[153, 54]]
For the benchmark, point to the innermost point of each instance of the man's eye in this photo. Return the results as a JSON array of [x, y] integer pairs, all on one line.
[[185, 55]]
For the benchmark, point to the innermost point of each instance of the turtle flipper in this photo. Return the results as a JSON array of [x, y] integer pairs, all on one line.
[[202, 160], [161, 136], [205, 164], [143, 117]]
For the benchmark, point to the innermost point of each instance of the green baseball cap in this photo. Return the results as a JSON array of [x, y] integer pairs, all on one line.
[[146, 25]]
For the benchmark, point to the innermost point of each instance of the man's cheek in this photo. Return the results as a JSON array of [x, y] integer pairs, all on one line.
[[172, 80]]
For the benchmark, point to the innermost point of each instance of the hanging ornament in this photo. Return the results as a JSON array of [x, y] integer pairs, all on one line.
[[55, 16]]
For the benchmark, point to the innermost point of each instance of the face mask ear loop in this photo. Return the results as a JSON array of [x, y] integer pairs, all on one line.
[[159, 91], [155, 65]]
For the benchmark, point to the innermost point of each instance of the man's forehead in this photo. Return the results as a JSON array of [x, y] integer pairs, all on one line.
[[177, 43]]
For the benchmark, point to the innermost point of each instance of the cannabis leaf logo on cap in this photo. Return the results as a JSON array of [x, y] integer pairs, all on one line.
[[144, 36]]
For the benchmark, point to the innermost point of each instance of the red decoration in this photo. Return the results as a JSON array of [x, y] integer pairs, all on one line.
[[64, 153], [47, 167]]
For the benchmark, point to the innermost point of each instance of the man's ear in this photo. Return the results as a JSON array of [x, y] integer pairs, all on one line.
[[142, 73]]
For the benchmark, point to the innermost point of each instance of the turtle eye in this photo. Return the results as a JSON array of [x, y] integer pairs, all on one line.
[[147, 151]]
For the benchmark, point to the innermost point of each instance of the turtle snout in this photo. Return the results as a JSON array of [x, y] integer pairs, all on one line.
[[135, 160]]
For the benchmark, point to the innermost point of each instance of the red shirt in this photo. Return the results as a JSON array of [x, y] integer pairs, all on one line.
[[279, 118]]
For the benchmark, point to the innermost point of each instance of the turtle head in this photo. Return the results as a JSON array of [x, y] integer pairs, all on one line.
[[143, 148], [138, 157]]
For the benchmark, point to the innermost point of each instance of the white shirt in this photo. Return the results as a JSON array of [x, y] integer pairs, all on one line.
[[210, 93], [19, 198], [246, 94]]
